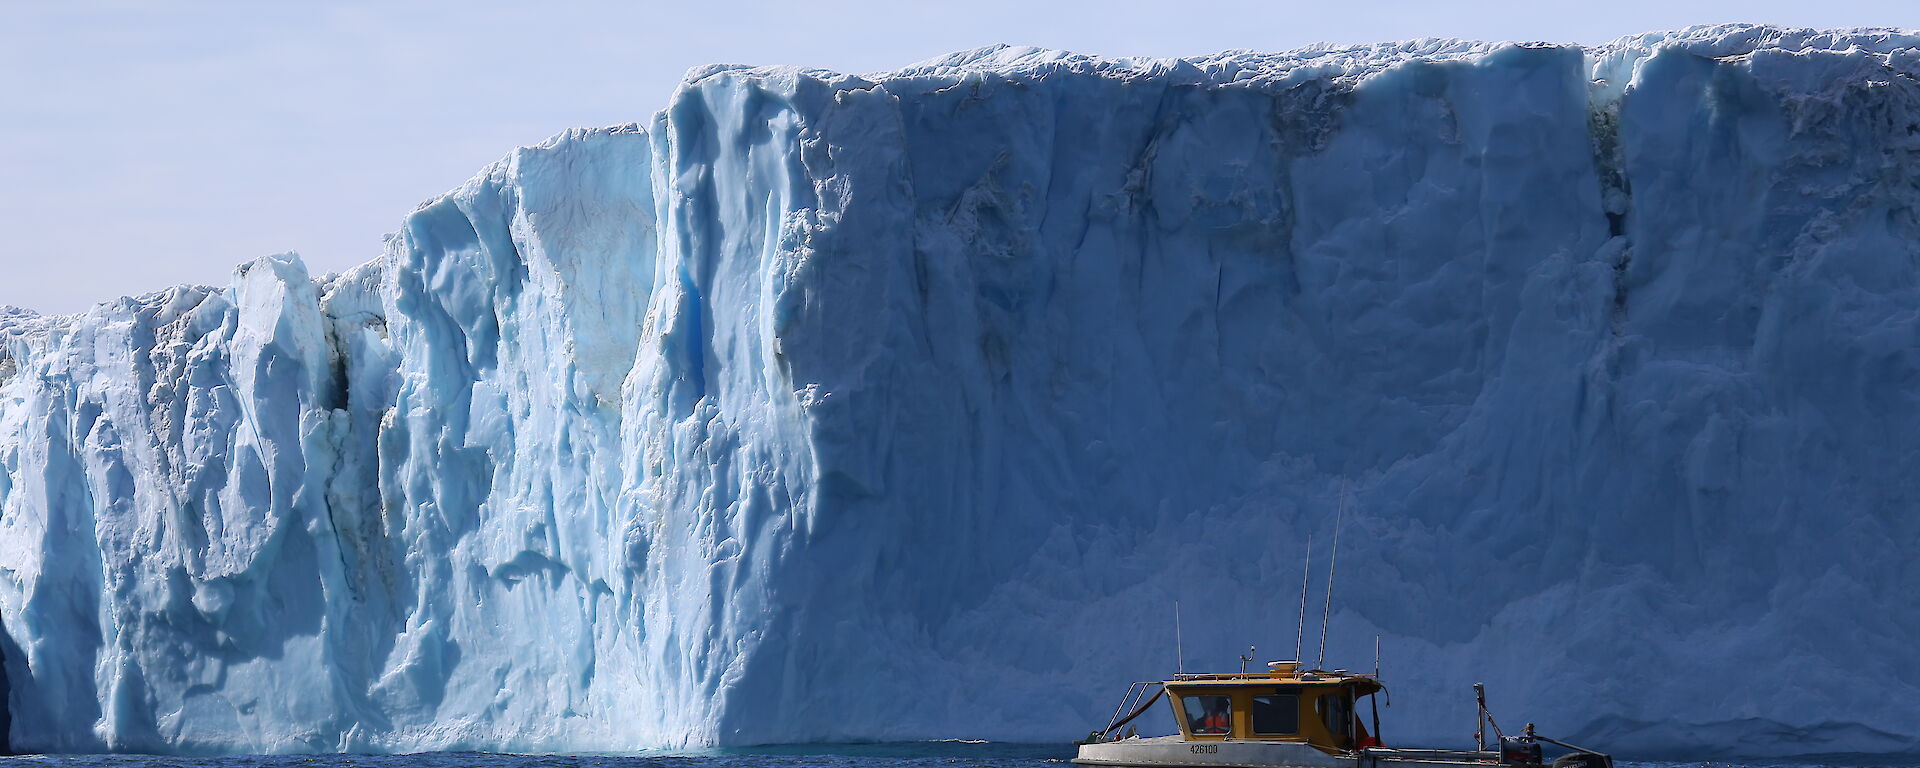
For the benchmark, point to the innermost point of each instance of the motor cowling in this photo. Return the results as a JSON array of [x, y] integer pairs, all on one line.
[[1519, 750], [1583, 760]]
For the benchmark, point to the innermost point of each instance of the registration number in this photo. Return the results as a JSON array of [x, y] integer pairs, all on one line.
[[1204, 749]]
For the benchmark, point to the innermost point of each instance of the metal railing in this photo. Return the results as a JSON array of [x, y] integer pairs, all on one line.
[[1135, 702]]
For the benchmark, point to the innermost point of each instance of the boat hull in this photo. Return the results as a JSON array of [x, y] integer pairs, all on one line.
[[1176, 752], [1169, 751]]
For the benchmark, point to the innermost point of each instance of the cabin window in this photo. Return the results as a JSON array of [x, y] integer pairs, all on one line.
[[1336, 711], [1276, 715], [1209, 715]]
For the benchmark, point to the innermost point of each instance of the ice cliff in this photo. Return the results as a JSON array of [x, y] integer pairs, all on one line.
[[905, 406]]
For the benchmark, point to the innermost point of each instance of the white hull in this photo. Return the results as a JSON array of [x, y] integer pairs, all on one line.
[[1177, 752]]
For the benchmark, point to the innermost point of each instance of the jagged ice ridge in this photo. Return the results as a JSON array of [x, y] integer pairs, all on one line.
[[904, 406]]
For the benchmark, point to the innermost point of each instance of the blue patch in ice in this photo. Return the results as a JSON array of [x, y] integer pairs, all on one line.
[[903, 406]]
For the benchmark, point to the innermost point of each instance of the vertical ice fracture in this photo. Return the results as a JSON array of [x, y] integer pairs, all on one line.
[[818, 391]]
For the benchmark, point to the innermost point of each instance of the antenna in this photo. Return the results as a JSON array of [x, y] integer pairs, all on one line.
[[1376, 657], [1300, 628], [1332, 560], [1179, 655]]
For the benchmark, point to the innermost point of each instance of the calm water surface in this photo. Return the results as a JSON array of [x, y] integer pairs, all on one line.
[[917, 755], [921, 755]]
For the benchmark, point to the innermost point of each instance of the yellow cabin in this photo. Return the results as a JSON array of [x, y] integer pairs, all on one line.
[[1284, 704]]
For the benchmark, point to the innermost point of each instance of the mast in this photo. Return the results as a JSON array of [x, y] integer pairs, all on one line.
[[1179, 655], [1300, 627], [1332, 561]]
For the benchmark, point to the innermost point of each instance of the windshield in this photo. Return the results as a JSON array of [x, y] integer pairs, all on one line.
[[1276, 715], [1208, 715]]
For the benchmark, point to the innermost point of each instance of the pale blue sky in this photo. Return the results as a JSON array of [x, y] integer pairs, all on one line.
[[148, 144]]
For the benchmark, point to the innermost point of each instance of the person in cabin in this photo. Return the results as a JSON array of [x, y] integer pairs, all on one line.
[[1216, 720]]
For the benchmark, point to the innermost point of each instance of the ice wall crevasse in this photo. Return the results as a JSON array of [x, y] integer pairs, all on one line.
[[818, 393]]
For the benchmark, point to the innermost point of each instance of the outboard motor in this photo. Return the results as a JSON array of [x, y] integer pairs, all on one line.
[[1583, 760], [1520, 750]]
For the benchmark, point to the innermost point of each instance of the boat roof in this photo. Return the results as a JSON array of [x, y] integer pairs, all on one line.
[[1365, 683]]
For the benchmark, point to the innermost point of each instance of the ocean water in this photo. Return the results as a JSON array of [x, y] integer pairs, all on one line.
[[956, 754], [915, 755]]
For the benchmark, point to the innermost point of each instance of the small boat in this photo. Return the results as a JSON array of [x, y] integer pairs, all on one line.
[[1293, 718]]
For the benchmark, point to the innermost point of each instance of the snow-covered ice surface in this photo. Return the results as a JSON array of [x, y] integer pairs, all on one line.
[[905, 406]]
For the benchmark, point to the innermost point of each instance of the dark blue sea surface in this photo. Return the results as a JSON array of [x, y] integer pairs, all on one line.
[[915, 755], [956, 754]]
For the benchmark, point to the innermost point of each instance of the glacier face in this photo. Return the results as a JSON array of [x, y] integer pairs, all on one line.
[[905, 406]]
